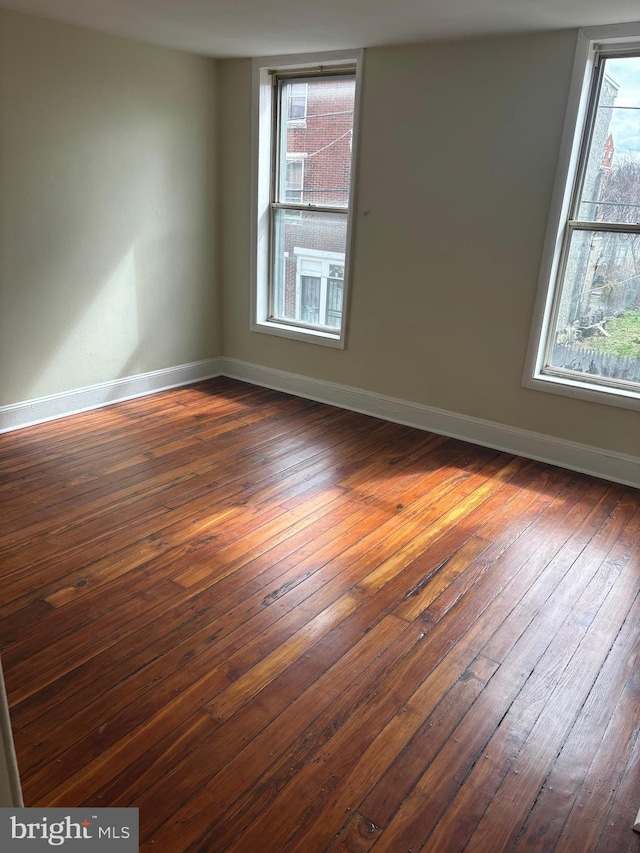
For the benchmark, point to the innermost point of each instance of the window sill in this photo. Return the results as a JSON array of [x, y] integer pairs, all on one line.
[[579, 390], [297, 333]]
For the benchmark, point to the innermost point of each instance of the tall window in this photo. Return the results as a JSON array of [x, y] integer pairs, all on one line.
[[307, 118], [590, 337]]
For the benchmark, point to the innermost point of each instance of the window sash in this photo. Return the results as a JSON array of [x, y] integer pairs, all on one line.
[[300, 261], [279, 142], [602, 53]]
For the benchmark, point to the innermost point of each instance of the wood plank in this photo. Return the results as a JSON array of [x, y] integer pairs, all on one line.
[[357, 836], [276, 625], [616, 833], [586, 753], [407, 730], [432, 795], [278, 750], [178, 617], [530, 735]]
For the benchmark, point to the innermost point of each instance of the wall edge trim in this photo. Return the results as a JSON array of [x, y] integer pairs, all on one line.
[[42, 409], [583, 458]]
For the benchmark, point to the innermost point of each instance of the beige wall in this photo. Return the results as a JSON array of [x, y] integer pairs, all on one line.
[[108, 262], [459, 144]]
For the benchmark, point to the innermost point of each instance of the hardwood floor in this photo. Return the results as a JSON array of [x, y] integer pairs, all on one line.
[[273, 625]]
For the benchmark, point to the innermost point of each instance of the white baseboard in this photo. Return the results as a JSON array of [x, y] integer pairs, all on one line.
[[49, 408], [618, 467]]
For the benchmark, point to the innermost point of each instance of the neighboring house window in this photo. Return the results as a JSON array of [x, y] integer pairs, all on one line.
[[319, 287], [586, 339], [303, 191], [297, 102], [294, 177]]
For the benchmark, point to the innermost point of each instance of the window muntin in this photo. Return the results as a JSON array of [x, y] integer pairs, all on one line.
[[312, 219], [593, 336]]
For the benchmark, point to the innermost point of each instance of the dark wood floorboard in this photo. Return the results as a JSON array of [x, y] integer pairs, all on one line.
[[274, 625]]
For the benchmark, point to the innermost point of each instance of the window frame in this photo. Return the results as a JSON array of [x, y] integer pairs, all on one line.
[[263, 173], [568, 176]]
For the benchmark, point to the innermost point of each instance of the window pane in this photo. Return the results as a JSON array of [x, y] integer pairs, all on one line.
[[306, 246], [611, 189], [597, 329], [324, 138]]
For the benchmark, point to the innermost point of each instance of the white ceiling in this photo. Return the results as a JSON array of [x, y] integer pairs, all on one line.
[[225, 28]]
